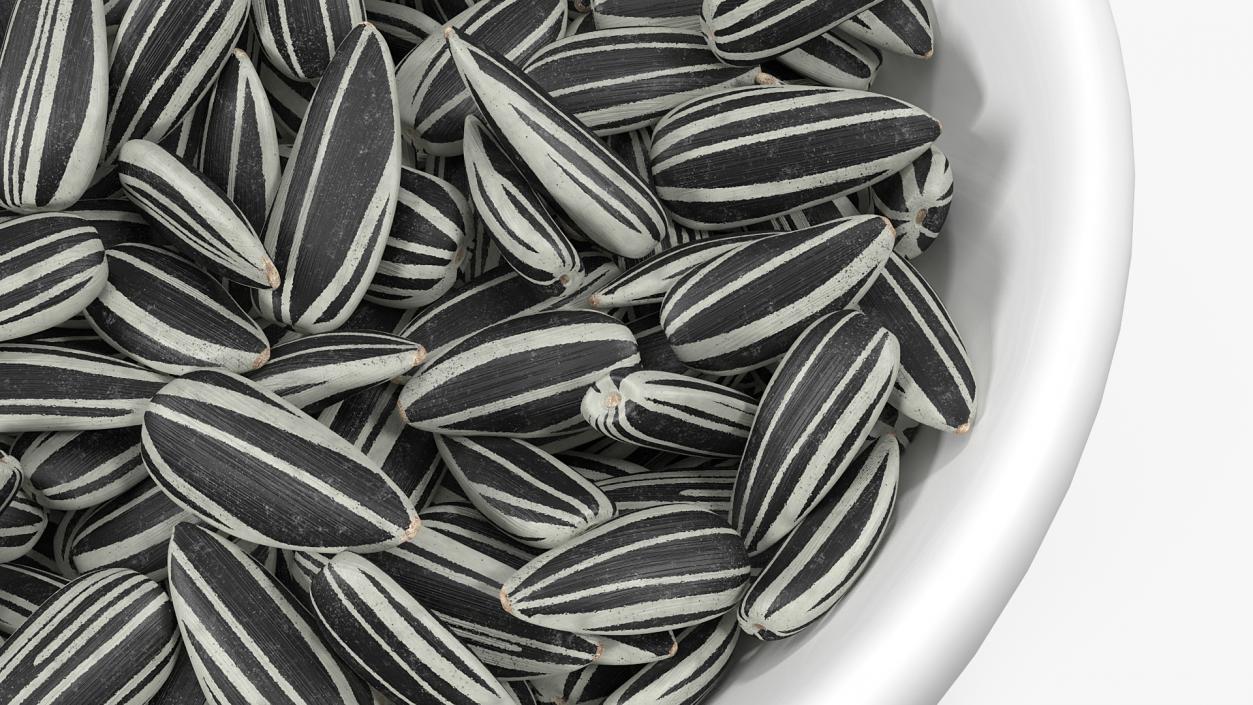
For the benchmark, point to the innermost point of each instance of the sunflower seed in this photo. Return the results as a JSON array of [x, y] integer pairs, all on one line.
[[650, 281], [903, 27], [426, 243], [69, 470], [114, 638], [596, 190], [895, 423], [835, 61], [823, 400], [186, 140], [327, 249], [528, 493], [51, 266], [936, 385], [161, 311], [579, 23], [130, 531], [302, 567], [795, 146], [709, 487], [662, 568], [10, 479], [402, 26], [917, 201], [318, 370], [522, 377], [748, 31], [636, 649], [686, 678], [435, 101], [814, 567], [743, 309], [56, 387], [210, 434], [832, 209], [632, 148], [617, 80], [240, 153], [670, 412], [366, 614], [166, 55], [586, 686], [195, 214], [54, 87], [181, 688], [678, 14], [117, 221], [248, 641], [455, 567], [301, 37], [21, 524], [22, 590], [289, 101], [599, 467]]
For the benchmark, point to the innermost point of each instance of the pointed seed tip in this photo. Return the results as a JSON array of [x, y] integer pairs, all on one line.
[[600, 651], [674, 647], [400, 409], [594, 301], [271, 273], [766, 79], [413, 527], [263, 358], [419, 356], [612, 399], [504, 601], [962, 429], [240, 53], [930, 53], [449, 31]]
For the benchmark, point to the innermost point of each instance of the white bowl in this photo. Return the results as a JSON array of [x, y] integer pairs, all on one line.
[[1033, 268]]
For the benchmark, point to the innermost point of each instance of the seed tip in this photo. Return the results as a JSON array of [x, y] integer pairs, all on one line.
[[594, 301], [449, 31], [612, 399], [400, 409], [504, 601], [271, 273], [766, 79], [600, 651], [962, 429], [263, 358], [419, 356], [674, 648], [922, 216], [241, 54], [413, 527], [930, 53]]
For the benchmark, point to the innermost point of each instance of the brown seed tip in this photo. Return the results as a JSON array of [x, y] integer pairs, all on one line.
[[600, 651], [564, 280], [612, 399], [400, 409], [419, 356], [930, 53], [767, 79], [504, 601], [594, 301], [922, 215], [271, 273], [674, 648], [449, 31], [241, 54], [962, 429], [460, 255], [758, 628], [412, 530], [263, 358]]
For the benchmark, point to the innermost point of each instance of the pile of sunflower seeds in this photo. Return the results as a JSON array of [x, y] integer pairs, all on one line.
[[415, 351]]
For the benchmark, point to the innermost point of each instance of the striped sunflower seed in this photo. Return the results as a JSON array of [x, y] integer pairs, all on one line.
[[161, 311], [196, 215], [54, 93], [117, 221], [426, 243], [181, 688], [820, 405], [328, 249], [526, 492], [522, 377], [655, 351], [57, 387], [824, 212], [367, 614], [814, 567], [632, 148], [516, 215], [836, 61], [670, 412], [455, 567], [165, 57], [747, 31], [709, 487], [677, 14], [663, 568], [302, 568], [186, 139], [597, 467], [650, 280], [289, 101], [51, 266], [434, 100], [21, 524], [905, 27], [240, 148], [586, 686], [686, 678], [636, 649], [248, 641], [579, 23], [114, 637], [10, 479], [596, 190], [318, 370], [209, 434], [22, 590], [936, 385], [917, 201], [403, 27], [795, 146], [618, 80], [743, 309], [131, 531], [68, 470], [301, 37]]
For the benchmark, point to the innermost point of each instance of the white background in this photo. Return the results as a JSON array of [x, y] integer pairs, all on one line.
[[1143, 590]]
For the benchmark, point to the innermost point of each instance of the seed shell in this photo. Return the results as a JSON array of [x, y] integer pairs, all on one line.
[[22, 590], [636, 649], [903, 27], [936, 385], [917, 201], [114, 639], [21, 524], [248, 641], [836, 61], [820, 405], [596, 190], [68, 470], [434, 100], [130, 531], [528, 493], [794, 146], [743, 310], [402, 26], [709, 487], [748, 31], [51, 266], [455, 567], [650, 280], [586, 686], [301, 37], [54, 93], [10, 479], [686, 678], [662, 568], [318, 370], [163, 312], [166, 56], [289, 101], [394, 642], [597, 467], [181, 688], [670, 412], [328, 227], [186, 140], [522, 377], [618, 80], [677, 14], [195, 214], [47, 387], [246, 461]]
